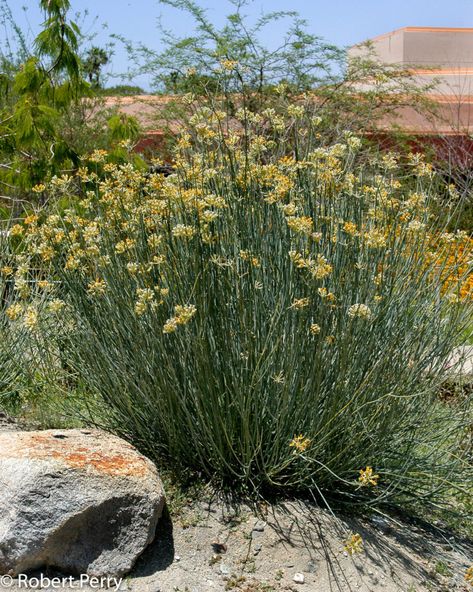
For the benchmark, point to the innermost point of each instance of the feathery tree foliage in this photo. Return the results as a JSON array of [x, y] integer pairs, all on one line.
[[46, 123]]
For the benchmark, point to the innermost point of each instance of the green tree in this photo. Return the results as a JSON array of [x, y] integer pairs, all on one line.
[[302, 59], [49, 115], [230, 67], [42, 88], [96, 58]]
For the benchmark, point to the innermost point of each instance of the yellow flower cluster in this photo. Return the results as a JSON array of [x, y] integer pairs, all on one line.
[[299, 303], [97, 288], [456, 264], [300, 443], [354, 544], [143, 220], [319, 267], [361, 311], [247, 256], [182, 315], [367, 477]]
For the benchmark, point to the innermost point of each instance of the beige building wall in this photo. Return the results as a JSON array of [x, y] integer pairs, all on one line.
[[437, 47], [423, 46], [441, 57]]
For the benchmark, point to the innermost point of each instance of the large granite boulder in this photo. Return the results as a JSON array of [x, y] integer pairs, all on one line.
[[80, 501]]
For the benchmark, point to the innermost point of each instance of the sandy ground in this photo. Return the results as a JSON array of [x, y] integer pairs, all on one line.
[[213, 546]]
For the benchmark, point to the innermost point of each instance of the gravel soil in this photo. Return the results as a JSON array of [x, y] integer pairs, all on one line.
[[297, 547], [210, 545]]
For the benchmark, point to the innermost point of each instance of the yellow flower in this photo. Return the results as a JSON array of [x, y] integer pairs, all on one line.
[[375, 238], [469, 575], [326, 295], [97, 287], [145, 296], [31, 219], [299, 303], [247, 256], [300, 224], [360, 311], [184, 231], [353, 142], [98, 156], [16, 230], [124, 245], [14, 311], [30, 320], [300, 443], [415, 226], [132, 267], [367, 477], [38, 188], [154, 240], [289, 209], [320, 269], [209, 216], [296, 111], [6, 270], [56, 305], [350, 228], [228, 65], [315, 329], [170, 325], [354, 544], [182, 315], [389, 161]]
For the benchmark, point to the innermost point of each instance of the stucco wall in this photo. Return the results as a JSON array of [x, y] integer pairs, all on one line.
[[437, 47]]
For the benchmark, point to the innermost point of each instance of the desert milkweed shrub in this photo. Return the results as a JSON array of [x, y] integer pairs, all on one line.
[[14, 342], [270, 314]]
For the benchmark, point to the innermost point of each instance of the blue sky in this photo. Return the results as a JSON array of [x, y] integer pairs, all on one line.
[[342, 22]]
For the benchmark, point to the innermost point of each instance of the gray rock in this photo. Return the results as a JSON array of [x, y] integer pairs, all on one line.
[[259, 526], [224, 569], [460, 363], [80, 501]]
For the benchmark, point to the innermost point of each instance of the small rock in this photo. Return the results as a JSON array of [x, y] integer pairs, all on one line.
[[177, 558], [257, 549], [224, 569], [311, 567], [299, 578], [380, 522], [207, 507], [259, 526]]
